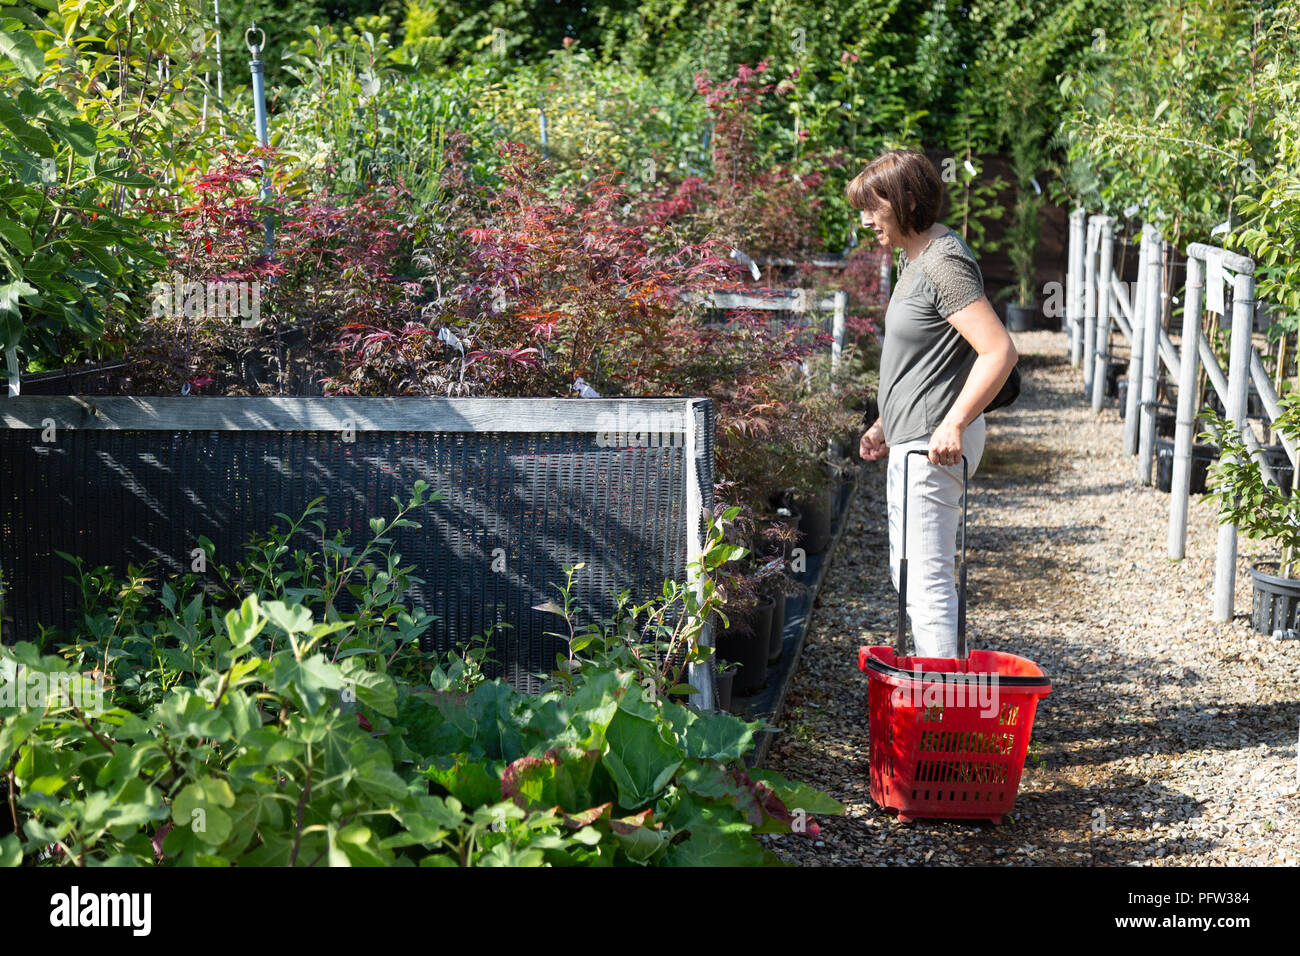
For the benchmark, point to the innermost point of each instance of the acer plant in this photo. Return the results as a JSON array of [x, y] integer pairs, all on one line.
[[331, 269]]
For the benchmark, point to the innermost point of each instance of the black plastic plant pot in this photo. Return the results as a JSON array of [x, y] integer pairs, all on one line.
[[815, 523], [726, 680], [777, 630], [1113, 372], [1254, 404], [1166, 421], [1202, 455], [748, 648], [1020, 318], [1276, 600]]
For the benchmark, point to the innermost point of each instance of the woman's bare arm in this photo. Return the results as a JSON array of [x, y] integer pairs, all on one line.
[[996, 356]]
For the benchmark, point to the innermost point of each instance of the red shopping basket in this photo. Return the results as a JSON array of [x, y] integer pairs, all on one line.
[[948, 734]]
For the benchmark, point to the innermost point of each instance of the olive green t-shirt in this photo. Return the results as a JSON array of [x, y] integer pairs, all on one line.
[[924, 361]]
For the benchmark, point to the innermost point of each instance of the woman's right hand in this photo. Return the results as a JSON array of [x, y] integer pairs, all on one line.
[[873, 447]]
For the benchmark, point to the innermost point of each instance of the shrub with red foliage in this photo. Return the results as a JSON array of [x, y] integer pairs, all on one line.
[[331, 266]]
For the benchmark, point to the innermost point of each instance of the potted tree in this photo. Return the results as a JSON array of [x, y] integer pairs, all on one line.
[[1022, 237], [745, 639], [1024, 127], [776, 538], [1262, 511]]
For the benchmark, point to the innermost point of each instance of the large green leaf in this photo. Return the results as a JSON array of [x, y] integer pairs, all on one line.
[[797, 795], [101, 257], [373, 689], [120, 174], [711, 736], [716, 846], [201, 806], [310, 677], [11, 851], [18, 237], [11, 326], [639, 759], [22, 51], [474, 782], [498, 729], [28, 136]]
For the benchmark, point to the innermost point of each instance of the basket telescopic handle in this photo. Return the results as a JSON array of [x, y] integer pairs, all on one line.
[[902, 561]]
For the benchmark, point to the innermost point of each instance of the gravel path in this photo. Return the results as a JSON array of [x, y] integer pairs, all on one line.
[[1167, 739]]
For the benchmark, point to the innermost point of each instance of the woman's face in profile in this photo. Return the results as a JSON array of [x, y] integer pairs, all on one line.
[[879, 218]]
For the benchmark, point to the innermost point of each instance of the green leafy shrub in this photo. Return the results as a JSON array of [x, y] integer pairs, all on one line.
[[257, 722]]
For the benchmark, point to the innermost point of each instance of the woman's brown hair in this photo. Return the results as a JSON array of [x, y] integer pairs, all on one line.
[[904, 179]]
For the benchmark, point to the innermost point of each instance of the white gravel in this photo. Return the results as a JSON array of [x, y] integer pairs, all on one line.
[[1167, 739]]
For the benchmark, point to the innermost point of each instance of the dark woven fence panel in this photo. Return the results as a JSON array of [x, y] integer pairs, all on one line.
[[518, 508]]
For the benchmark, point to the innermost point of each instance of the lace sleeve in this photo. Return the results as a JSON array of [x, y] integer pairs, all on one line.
[[956, 280]]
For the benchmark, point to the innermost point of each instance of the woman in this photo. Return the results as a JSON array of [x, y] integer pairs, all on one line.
[[945, 356]]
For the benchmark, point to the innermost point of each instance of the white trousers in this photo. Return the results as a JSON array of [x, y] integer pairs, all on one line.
[[933, 517]]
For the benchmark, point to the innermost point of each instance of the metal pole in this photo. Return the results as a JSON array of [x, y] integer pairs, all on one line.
[[700, 674], [1272, 404], [541, 128], [1243, 322], [216, 13], [1090, 300], [1074, 284], [1104, 269], [1151, 360], [837, 328], [1132, 400], [259, 110], [1185, 431]]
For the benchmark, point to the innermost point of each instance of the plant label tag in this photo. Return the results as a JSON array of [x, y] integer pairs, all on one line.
[[1214, 281]]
